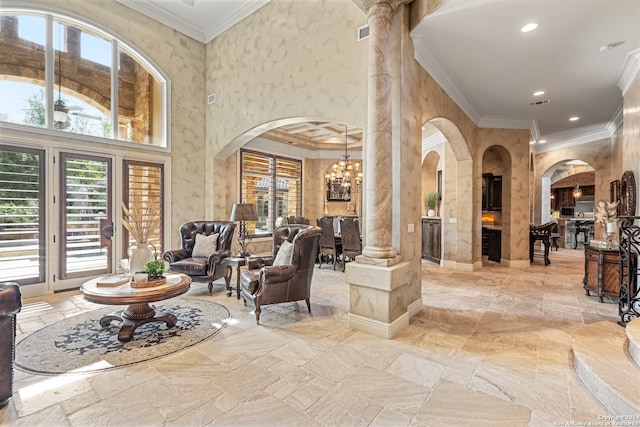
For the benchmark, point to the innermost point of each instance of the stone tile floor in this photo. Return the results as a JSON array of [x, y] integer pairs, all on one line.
[[489, 348]]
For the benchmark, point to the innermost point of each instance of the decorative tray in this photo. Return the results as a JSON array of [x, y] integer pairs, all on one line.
[[149, 283]]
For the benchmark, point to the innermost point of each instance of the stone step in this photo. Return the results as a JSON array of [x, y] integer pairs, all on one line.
[[602, 360], [633, 335]]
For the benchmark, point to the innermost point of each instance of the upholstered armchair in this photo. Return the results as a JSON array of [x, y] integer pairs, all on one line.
[[205, 245], [288, 279]]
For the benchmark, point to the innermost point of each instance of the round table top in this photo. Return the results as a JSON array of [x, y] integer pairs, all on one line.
[[177, 284]]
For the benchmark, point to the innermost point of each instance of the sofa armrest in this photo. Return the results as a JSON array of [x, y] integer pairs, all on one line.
[[175, 255], [277, 273], [267, 260], [10, 299]]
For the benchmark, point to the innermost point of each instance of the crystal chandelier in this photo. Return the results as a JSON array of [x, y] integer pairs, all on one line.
[[350, 173]]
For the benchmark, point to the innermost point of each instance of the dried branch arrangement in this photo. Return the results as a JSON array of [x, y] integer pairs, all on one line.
[[139, 222]]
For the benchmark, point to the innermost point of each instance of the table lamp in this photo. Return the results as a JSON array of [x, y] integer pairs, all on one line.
[[243, 212]]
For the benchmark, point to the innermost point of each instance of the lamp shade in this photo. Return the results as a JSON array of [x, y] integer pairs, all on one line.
[[244, 212]]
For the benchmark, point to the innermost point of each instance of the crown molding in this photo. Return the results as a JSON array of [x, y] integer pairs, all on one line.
[[427, 58], [226, 20], [232, 18], [579, 136], [629, 71]]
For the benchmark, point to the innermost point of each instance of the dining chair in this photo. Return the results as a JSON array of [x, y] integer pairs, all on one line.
[[351, 240], [329, 245]]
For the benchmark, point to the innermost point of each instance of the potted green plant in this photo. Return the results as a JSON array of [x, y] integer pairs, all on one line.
[[155, 269], [431, 200]]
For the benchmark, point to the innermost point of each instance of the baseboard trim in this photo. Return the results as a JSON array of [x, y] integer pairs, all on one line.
[[376, 327]]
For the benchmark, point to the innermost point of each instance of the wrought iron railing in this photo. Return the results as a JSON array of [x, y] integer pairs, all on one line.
[[629, 300]]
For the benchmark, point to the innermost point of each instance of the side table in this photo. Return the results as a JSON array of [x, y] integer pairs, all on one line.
[[601, 271], [237, 262]]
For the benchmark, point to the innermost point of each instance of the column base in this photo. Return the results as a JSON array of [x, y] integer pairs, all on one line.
[[381, 298], [382, 262]]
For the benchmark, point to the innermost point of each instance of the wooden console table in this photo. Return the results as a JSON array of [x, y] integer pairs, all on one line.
[[601, 271]]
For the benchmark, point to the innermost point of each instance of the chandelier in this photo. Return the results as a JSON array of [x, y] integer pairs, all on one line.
[[349, 173], [577, 192]]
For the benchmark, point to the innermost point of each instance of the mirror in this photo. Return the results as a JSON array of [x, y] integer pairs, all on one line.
[[336, 192], [628, 194]]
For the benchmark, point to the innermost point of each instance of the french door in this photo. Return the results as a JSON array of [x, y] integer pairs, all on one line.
[[85, 215], [57, 211]]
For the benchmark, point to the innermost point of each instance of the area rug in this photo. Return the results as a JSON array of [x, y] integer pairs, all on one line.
[[79, 345]]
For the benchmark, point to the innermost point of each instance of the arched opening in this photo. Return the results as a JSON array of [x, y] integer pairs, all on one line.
[[496, 203], [431, 177], [568, 196], [441, 137]]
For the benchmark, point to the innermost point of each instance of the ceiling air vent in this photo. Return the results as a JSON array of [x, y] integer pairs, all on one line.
[[363, 32], [544, 101]]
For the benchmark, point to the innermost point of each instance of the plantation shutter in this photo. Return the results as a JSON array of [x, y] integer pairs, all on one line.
[[143, 191], [22, 231], [85, 194], [273, 184]]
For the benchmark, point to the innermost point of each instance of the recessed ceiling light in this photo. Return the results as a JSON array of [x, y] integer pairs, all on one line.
[[529, 27], [532, 142], [574, 119], [538, 93], [542, 141]]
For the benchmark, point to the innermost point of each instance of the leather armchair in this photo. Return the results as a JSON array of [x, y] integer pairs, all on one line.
[[10, 305], [284, 283], [209, 268]]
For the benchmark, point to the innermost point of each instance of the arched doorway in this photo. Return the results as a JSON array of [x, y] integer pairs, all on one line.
[[568, 195], [457, 204], [496, 203]]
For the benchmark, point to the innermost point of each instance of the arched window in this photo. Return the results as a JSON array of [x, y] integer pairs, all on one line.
[[59, 73]]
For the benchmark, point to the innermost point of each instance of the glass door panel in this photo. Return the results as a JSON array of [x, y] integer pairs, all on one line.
[[22, 234], [85, 212]]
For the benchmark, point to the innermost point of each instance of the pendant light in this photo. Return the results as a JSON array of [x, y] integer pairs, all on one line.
[[60, 109]]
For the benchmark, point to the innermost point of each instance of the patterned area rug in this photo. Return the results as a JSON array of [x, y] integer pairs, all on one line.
[[79, 345]]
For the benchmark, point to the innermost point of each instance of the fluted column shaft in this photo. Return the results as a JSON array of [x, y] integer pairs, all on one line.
[[378, 165]]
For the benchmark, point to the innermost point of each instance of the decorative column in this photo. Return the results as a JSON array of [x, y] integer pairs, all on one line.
[[382, 287], [378, 184]]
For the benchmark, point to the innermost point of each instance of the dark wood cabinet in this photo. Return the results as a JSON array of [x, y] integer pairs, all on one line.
[[491, 192], [495, 245], [492, 243], [563, 196], [431, 229], [601, 271]]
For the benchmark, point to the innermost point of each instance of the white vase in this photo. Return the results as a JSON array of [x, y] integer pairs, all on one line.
[[612, 227], [431, 212], [139, 256]]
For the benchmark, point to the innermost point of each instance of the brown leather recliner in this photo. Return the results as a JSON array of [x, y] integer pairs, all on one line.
[[288, 282], [206, 268], [10, 305]]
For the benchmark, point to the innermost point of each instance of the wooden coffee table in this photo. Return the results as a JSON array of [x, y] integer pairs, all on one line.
[[138, 311]]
